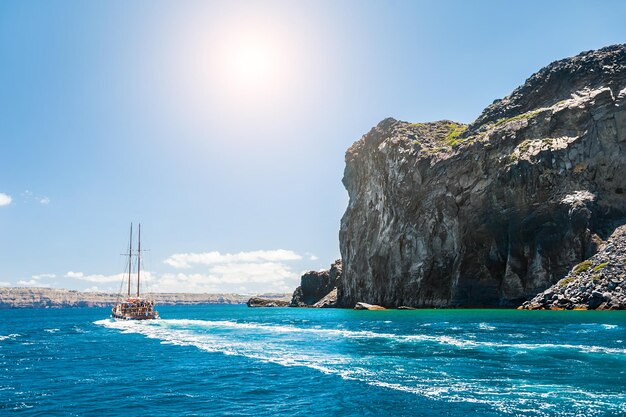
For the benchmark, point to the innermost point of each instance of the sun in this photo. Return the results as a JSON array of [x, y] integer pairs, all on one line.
[[243, 66], [250, 65], [253, 63]]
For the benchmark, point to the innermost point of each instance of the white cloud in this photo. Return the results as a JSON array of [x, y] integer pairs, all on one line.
[[5, 199], [186, 260], [247, 277], [5, 284], [28, 196], [40, 276], [32, 283], [99, 278], [268, 272], [211, 272], [254, 271], [313, 258], [95, 277], [252, 277], [35, 281]]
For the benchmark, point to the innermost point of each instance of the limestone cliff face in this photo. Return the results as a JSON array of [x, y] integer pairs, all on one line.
[[490, 214]]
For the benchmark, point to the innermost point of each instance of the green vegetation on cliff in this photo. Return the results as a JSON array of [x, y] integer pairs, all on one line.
[[453, 138], [522, 116]]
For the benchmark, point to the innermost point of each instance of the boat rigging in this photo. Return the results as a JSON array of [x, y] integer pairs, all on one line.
[[134, 308]]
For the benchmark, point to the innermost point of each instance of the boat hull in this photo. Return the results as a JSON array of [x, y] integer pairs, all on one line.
[[135, 309], [122, 317]]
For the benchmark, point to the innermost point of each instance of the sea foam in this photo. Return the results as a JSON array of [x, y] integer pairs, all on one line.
[[275, 343]]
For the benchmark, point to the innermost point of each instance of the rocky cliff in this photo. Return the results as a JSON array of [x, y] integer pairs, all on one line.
[[318, 288], [492, 213], [53, 298], [599, 283]]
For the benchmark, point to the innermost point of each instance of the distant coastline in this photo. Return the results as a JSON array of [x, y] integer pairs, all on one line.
[[30, 297]]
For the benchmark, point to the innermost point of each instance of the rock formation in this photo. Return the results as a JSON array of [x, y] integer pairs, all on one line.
[[489, 214], [599, 283], [265, 302], [365, 306], [318, 288], [54, 298]]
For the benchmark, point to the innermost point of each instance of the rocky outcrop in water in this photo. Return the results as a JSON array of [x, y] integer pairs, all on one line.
[[264, 302], [365, 306], [318, 288], [56, 298], [489, 214], [599, 283]]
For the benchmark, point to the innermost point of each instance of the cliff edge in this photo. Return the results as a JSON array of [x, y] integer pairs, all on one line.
[[444, 214]]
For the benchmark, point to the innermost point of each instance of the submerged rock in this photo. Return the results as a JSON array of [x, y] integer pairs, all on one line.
[[489, 214], [598, 283]]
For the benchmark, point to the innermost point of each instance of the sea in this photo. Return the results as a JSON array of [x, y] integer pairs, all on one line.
[[225, 360]]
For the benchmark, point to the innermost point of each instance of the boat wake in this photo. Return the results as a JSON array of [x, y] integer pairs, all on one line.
[[405, 362]]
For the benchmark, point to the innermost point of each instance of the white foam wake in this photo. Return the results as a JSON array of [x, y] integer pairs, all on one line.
[[264, 351], [365, 334], [242, 339], [11, 336]]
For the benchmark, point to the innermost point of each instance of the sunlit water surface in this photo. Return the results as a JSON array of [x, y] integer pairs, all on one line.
[[237, 361]]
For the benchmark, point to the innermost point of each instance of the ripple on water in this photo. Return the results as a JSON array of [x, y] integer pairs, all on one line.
[[293, 345]]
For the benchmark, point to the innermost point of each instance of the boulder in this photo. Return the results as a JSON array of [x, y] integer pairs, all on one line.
[[366, 306]]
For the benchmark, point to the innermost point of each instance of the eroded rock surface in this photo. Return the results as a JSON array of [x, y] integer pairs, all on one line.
[[265, 302], [599, 283], [443, 214], [318, 288], [366, 306]]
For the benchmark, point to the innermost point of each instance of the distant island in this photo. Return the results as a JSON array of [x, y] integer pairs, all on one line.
[[23, 297]]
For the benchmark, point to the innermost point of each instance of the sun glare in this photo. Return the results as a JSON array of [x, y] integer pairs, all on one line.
[[247, 69], [252, 64], [244, 66]]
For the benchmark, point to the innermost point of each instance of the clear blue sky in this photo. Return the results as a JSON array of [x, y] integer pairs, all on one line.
[[222, 126]]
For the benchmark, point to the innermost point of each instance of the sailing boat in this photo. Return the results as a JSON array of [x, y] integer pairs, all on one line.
[[134, 308]]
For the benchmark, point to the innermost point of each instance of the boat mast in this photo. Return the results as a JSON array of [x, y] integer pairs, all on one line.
[[130, 256], [138, 259]]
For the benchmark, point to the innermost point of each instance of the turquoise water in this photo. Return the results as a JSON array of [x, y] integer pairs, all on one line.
[[236, 361]]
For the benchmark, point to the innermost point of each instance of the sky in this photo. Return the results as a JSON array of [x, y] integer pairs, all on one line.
[[222, 126]]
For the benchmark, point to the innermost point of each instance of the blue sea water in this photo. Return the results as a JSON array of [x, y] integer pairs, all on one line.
[[238, 361]]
